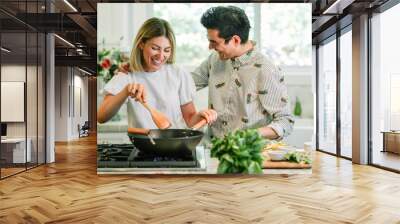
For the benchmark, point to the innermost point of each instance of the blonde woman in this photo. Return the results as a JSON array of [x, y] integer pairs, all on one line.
[[153, 79]]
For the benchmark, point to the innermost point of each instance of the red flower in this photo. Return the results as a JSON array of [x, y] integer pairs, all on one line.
[[106, 64]]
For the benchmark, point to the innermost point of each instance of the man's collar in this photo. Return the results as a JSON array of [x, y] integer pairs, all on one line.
[[244, 58]]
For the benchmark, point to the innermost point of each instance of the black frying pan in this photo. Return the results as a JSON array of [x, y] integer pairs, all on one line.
[[167, 142]]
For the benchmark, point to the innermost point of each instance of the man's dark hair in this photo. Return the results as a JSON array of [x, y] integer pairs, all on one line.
[[228, 21]]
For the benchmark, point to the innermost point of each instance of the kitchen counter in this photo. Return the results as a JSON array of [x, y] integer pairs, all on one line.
[[208, 166]]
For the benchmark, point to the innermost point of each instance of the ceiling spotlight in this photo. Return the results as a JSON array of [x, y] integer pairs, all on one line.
[[337, 7], [84, 71], [5, 50], [64, 40], [70, 5]]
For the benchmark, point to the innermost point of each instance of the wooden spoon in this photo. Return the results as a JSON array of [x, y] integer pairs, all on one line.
[[159, 118], [199, 124]]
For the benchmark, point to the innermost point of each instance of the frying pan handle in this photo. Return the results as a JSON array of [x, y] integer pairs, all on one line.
[[139, 131], [199, 124]]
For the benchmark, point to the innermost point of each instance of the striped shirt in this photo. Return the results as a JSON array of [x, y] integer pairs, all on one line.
[[247, 92]]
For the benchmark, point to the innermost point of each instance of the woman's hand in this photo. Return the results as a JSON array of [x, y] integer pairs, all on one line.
[[124, 68], [209, 114], [136, 91]]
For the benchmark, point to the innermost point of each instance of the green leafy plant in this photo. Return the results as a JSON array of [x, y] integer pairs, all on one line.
[[239, 152], [109, 61], [297, 157]]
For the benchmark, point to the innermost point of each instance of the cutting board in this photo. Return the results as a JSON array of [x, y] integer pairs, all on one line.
[[268, 164]]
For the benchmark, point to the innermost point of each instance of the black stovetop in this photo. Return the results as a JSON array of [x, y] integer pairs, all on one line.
[[127, 156]]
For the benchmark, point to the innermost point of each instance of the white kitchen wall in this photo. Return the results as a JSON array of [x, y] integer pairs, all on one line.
[[300, 84]]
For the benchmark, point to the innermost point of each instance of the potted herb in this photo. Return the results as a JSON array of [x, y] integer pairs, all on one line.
[[239, 152]]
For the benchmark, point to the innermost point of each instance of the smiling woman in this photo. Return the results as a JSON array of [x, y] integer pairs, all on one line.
[[154, 46], [156, 52], [152, 59]]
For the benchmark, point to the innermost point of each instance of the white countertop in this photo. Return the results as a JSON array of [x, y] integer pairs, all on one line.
[[207, 166]]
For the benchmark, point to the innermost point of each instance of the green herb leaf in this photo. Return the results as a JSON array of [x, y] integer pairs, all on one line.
[[298, 157], [239, 152]]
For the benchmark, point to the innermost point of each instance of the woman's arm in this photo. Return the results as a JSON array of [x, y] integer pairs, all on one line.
[[111, 103], [191, 117]]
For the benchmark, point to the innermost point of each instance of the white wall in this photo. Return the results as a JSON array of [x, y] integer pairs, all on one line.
[[14, 73], [299, 84], [67, 114], [61, 103], [79, 117]]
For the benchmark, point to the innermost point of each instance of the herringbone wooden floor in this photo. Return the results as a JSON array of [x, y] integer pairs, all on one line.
[[70, 191]]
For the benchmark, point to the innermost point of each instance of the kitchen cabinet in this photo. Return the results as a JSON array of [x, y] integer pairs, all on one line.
[[391, 141]]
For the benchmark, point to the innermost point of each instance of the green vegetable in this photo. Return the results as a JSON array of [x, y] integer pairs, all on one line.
[[239, 152], [297, 157]]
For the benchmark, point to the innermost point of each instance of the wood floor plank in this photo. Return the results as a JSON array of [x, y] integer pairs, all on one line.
[[70, 191]]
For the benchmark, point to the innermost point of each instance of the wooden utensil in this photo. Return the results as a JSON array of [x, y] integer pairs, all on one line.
[[159, 118], [199, 124]]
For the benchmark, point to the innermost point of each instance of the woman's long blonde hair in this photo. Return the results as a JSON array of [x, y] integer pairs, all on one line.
[[153, 27]]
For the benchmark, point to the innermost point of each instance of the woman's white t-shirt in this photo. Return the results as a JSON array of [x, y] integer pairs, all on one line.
[[167, 89]]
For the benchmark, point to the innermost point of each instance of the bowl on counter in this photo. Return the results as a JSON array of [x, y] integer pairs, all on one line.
[[276, 155], [287, 148]]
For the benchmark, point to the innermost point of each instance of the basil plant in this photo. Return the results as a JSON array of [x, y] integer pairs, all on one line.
[[239, 152]]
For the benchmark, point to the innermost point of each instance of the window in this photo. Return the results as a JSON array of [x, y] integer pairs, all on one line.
[[394, 101], [191, 36], [286, 33], [385, 84], [346, 94], [327, 96]]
